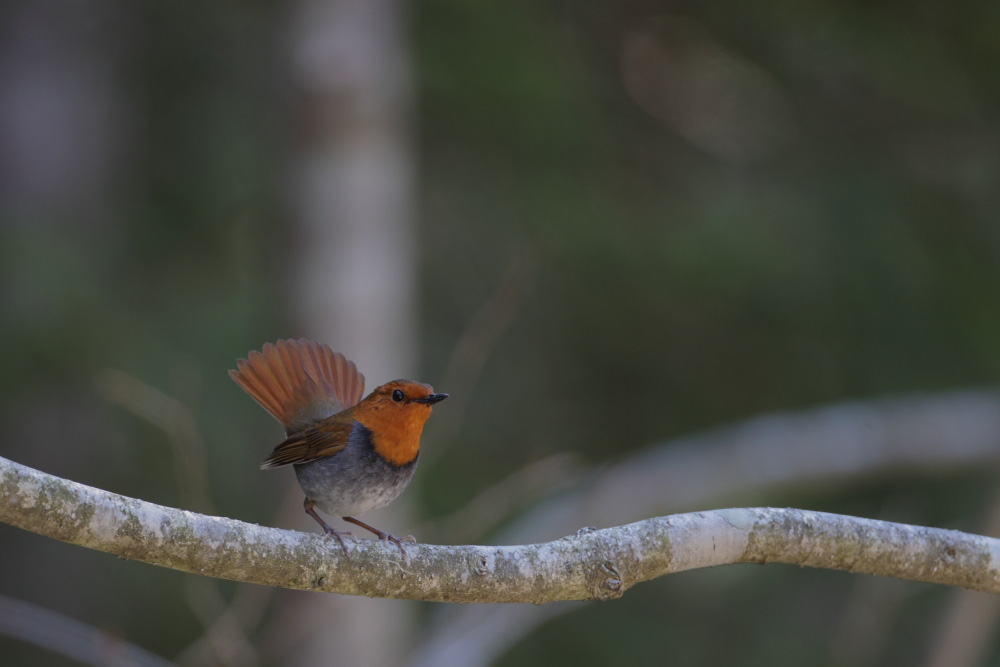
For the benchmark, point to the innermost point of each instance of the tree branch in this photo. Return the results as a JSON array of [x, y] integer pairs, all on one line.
[[591, 564]]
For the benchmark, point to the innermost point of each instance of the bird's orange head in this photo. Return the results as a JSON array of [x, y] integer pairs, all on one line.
[[395, 414]]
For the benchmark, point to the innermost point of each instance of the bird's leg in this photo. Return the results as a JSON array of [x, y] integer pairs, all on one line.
[[382, 535], [309, 504]]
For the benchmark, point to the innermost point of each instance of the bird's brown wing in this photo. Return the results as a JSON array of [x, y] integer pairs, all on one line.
[[323, 439], [300, 382]]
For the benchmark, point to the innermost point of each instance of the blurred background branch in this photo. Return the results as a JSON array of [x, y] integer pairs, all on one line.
[[177, 422], [807, 450], [77, 641]]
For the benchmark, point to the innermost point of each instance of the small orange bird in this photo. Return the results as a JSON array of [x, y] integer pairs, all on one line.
[[350, 455]]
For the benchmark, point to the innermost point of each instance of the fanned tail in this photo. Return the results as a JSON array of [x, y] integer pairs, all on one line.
[[299, 382]]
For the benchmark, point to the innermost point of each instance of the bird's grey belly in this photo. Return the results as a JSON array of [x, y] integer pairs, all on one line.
[[353, 481]]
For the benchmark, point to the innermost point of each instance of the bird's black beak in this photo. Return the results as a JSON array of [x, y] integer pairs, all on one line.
[[432, 399]]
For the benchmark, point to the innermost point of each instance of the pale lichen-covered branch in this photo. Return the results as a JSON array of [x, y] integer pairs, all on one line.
[[590, 564]]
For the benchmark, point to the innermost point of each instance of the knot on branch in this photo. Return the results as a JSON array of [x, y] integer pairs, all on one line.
[[481, 566], [608, 582]]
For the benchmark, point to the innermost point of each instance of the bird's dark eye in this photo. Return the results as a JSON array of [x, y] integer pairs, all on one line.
[[397, 395]]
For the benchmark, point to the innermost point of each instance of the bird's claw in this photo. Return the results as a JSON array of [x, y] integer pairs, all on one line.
[[382, 535], [398, 542], [331, 531], [340, 538]]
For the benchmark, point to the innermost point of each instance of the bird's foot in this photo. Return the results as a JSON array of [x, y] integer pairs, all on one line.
[[398, 542], [382, 535], [339, 535], [309, 505]]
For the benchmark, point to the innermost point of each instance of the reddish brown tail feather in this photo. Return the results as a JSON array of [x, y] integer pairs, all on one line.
[[299, 382]]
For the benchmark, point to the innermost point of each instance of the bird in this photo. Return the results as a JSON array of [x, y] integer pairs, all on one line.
[[350, 454]]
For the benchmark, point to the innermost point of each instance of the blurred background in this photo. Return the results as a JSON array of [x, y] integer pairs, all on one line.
[[665, 257]]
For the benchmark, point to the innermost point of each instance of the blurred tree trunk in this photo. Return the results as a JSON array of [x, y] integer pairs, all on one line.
[[354, 271], [63, 120]]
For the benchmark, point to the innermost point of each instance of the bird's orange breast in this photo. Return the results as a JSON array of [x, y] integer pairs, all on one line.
[[395, 434]]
